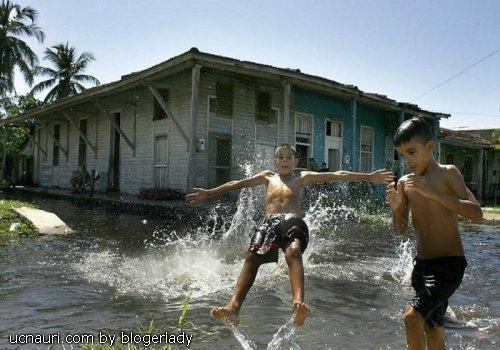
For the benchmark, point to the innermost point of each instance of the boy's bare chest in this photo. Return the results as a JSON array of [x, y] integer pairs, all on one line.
[[433, 183], [280, 188]]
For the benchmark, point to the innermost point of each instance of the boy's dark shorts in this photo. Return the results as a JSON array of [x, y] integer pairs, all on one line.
[[435, 281], [276, 231]]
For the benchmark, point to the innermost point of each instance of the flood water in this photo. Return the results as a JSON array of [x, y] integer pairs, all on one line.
[[118, 272]]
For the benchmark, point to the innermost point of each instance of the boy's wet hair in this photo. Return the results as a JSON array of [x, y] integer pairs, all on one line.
[[415, 127], [287, 146]]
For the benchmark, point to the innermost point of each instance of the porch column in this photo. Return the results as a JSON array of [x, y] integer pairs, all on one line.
[[195, 91], [480, 173], [286, 113], [354, 115], [399, 168]]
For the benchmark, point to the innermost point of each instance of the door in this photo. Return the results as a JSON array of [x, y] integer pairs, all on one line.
[[333, 160], [333, 144], [161, 158], [219, 159]]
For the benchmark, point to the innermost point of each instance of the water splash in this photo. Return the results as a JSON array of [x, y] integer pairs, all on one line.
[[402, 268], [153, 275], [236, 239], [284, 338], [245, 343]]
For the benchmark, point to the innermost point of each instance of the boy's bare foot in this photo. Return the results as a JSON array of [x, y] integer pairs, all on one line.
[[300, 312], [226, 313]]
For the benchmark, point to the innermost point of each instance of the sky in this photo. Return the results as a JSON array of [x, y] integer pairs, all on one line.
[[443, 55]]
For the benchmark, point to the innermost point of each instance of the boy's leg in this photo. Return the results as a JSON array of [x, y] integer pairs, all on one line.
[[435, 338], [245, 280], [293, 255], [415, 328]]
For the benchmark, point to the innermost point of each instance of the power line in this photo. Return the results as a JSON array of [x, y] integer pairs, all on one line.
[[456, 75]]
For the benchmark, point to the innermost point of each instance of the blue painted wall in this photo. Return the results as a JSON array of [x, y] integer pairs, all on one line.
[[323, 107], [374, 118]]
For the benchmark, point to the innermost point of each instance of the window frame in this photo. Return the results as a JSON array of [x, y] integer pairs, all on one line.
[[362, 152], [304, 138], [158, 112]]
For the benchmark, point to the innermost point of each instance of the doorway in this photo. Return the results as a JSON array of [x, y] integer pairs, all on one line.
[[333, 144], [114, 159]]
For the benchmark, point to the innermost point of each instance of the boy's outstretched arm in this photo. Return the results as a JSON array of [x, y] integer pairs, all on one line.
[[200, 194], [380, 176], [399, 206]]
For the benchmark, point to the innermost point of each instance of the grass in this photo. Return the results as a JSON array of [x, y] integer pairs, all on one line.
[[8, 217], [495, 210], [148, 330]]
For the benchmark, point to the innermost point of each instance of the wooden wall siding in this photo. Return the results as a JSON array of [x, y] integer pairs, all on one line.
[[178, 147], [243, 127], [246, 133], [207, 88], [136, 114]]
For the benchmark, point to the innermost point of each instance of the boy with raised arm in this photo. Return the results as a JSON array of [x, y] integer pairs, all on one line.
[[435, 194], [281, 227]]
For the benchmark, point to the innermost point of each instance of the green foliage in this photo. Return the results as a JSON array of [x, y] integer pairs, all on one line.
[[9, 217], [495, 136], [66, 77], [17, 23], [182, 318], [20, 104], [14, 137]]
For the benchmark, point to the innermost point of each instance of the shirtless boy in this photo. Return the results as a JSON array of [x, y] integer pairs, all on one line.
[[282, 226], [435, 194]]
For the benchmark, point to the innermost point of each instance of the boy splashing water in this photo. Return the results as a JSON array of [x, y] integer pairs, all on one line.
[[281, 227]]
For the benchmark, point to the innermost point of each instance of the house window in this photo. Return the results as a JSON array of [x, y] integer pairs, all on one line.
[[160, 164], [366, 147], [219, 159], [82, 145], [263, 107], [303, 137], [55, 145], [212, 106], [275, 112], [333, 128], [224, 101], [158, 111], [222, 104]]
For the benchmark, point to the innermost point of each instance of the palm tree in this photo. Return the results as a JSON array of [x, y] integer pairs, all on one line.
[[66, 78], [16, 22]]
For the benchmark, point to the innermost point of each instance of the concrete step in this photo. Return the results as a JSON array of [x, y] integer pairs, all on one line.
[[45, 223]]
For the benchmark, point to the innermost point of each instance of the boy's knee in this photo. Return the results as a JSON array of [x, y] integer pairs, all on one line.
[[253, 259], [413, 318], [294, 250]]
